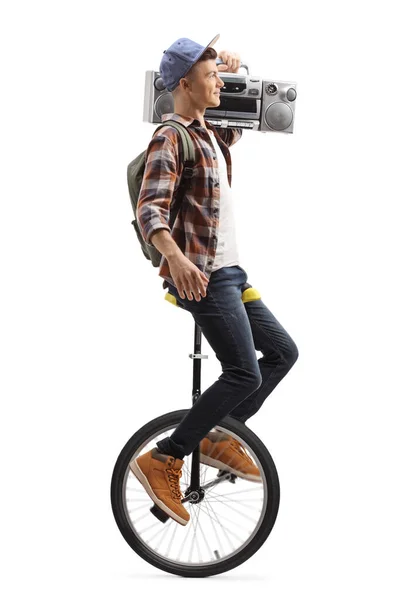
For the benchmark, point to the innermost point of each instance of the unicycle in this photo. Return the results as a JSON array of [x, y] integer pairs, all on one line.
[[230, 517]]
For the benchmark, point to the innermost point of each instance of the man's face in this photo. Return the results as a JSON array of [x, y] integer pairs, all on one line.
[[205, 84]]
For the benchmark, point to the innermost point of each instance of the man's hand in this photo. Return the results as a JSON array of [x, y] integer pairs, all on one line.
[[231, 59], [187, 277]]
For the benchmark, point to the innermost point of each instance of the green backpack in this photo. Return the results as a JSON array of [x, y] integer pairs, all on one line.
[[135, 178]]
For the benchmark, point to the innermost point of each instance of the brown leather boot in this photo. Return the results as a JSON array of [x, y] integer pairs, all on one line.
[[159, 474], [222, 451]]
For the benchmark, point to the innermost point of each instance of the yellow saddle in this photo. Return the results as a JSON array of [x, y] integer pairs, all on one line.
[[248, 295]]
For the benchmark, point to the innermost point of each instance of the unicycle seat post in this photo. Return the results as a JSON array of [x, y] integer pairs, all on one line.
[[196, 356]]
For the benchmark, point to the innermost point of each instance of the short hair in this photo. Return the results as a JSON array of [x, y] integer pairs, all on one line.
[[209, 53]]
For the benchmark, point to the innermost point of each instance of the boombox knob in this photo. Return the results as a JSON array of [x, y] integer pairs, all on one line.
[[291, 94], [159, 84]]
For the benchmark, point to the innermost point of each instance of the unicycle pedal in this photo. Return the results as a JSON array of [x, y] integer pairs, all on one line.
[[160, 514], [228, 476]]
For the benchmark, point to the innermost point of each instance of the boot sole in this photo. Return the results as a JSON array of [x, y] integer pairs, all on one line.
[[207, 460], [136, 470]]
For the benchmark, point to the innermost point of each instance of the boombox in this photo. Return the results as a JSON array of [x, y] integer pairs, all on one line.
[[246, 101]]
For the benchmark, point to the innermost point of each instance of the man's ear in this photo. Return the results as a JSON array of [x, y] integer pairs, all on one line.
[[185, 83]]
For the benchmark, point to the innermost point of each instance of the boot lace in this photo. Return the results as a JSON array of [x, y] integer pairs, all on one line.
[[173, 478]]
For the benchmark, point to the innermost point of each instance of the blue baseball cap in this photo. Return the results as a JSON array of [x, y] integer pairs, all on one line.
[[179, 59]]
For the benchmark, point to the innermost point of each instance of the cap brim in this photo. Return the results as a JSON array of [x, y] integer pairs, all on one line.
[[213, 41]]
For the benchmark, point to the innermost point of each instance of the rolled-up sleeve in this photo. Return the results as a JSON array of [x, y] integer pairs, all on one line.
[[230, 135], [156, 193]]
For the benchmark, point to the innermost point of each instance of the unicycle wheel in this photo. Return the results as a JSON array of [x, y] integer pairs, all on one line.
[[230, 517]]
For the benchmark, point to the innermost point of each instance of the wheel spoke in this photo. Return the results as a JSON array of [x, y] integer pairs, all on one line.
[[224, 529], [239, 512]]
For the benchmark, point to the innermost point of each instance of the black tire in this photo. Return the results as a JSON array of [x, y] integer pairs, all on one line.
[[171, 420]]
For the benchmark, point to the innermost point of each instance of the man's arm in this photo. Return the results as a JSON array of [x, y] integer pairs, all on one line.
[[230, 136], [231, 63], [156, 193], [165, 244]]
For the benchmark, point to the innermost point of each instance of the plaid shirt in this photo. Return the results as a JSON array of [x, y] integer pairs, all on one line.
[[195, 229]]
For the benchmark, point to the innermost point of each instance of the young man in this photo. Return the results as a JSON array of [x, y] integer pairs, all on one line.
[[200, 267]]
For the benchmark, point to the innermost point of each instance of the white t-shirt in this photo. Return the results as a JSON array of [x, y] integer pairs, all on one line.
[[226, 252]]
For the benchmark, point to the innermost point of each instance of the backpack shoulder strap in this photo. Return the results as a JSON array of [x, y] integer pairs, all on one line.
[[188, 160], [187, 143]]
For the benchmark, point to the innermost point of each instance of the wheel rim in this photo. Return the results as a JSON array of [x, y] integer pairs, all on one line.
[[220, 526]]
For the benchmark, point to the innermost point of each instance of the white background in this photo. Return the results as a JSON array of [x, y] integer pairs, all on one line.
[[90, 350]]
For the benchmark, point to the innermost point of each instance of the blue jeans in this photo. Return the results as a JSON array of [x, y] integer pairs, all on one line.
[[235, 330]]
